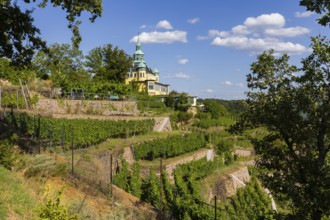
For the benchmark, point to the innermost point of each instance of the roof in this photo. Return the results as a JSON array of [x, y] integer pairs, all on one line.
[[141, 65], [139, 52]]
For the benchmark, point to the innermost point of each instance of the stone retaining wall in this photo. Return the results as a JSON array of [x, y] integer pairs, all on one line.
[[91, 107]]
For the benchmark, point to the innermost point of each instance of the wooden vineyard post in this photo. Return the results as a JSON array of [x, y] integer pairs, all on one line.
[[161, 187], [72, 147], [38, 135], [215, 207], [111, 174]]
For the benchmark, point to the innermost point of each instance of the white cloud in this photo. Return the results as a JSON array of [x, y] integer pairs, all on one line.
[[193, 20], [166, 37], [209, 90], [182, 76], [287, 32], [305, 14], [260, 44], [260, 33], [240, 30], [183, 61], [214, 33], [266, 20], [228, 83], [143, 26], [164, 24]]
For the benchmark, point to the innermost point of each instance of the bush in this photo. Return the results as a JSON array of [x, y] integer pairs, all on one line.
[[7, 154], [53, 209]]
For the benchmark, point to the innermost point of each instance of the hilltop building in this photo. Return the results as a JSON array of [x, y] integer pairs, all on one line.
[[145, 78]]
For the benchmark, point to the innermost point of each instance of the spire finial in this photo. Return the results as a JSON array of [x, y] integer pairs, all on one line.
[[138, 41]]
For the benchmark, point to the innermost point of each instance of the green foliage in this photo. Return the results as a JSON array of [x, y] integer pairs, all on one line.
[[197, 169], [62, 64], [203, 115], [14, 199], [249, 202], [7, 154], [321, 7], [136, 181], [13, 74], [86, 132], [293, 156], [53, 209], [108, 64], [181, 117], [148, 103], [221, 121], [168, 191], [234, 107], [178, 101], [151, 190], [122, 178], [215, 109], [170, 147], [16, 28]]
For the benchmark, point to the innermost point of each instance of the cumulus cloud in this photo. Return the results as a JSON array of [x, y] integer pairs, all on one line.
[[193, 20], [182, 76], [287, 32], [266, 20], [305, 14], [164, 24], [260, 33], [183, 61], [228, 83], [214, 33], [166, 37], [259, 44]]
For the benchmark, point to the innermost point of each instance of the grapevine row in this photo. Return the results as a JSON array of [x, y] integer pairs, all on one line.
[[83, 132], [170, 147]]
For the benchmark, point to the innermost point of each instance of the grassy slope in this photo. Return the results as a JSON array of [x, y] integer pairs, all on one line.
[[15, 201]]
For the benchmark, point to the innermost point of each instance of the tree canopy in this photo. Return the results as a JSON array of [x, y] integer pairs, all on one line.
[[108, 63], [293, 104], [321, 7], [216, 109], [19, 38], [62, 64]]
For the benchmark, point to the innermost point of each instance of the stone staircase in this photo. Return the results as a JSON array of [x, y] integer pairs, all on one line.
[[162, 124]]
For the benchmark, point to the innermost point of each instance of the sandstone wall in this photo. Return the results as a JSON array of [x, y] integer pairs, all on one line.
[[91, 107]]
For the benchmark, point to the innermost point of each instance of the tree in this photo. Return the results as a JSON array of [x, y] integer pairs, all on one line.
[[63, 64], [293, 104], [214, 108], [108, 63], [19, 38], [321, 7], [14, 74]]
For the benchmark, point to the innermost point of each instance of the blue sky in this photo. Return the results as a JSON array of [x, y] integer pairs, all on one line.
[[204, 47]]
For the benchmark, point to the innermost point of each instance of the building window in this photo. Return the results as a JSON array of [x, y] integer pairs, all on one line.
[[151, 86]]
